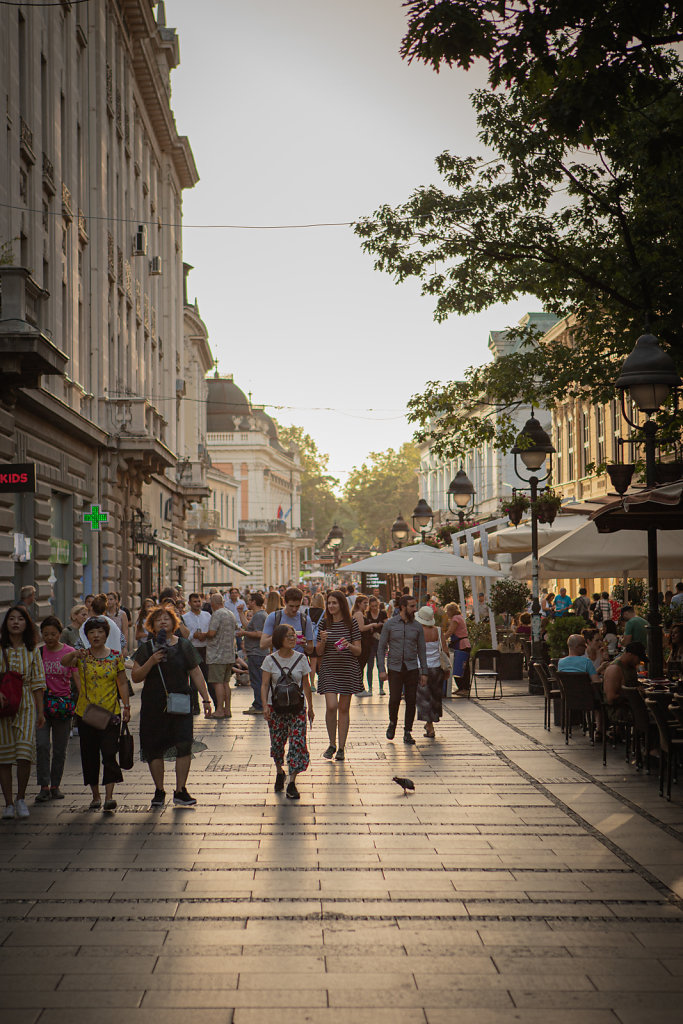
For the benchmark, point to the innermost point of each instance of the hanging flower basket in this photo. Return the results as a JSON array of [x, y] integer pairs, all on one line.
[[546, 506], [514, 508]]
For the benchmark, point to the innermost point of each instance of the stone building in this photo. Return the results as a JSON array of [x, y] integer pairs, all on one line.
[[92, 356], [490, 470], [243, 443]]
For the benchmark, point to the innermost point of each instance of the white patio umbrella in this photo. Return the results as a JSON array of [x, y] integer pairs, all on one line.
[[421, 559], [587, 553], [516, 539]]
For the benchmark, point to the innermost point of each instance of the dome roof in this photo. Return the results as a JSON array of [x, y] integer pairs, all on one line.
[[226, 406]]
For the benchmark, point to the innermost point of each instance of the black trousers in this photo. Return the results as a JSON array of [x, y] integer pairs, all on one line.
[[403, 683], [96, 743]]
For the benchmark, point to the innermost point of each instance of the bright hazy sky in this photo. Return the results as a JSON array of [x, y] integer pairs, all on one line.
[[302, 111]]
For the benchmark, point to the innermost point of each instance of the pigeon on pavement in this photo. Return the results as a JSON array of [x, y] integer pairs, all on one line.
[[405, 784]]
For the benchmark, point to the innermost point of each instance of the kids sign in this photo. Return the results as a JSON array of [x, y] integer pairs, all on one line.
[[18, 477]]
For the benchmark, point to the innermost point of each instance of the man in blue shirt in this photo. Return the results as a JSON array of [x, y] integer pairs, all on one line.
[[291, 615], [577, 661], [563, 603]]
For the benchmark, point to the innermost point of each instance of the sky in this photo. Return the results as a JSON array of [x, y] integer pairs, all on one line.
[[298, 112]]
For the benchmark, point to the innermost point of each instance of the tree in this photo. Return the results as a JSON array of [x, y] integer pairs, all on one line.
[[374, 492], [319, 503], [596, 232], [585, 62]]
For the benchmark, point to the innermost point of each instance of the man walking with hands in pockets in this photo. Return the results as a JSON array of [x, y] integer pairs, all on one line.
[[405, 639]]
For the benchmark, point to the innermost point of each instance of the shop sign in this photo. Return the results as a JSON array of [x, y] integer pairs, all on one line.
[[60, 551], [18, 477]]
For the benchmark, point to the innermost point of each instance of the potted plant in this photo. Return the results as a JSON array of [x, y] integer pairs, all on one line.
[[559, 631], [547, 505], [508, 597], [514, 508]]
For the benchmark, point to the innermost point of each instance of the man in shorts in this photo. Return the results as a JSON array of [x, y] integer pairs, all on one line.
[[221, 654]]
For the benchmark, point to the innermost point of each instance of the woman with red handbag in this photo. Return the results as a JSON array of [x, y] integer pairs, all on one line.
[[59, 708], [21, 706]]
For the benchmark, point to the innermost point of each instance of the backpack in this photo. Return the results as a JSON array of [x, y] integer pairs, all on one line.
[[288, 696], [303, 619]]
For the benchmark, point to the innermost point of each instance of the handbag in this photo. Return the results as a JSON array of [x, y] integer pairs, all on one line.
[[176, 703], [444, 659], [95, 715], [126, 748], [11, 687], [56, 706]]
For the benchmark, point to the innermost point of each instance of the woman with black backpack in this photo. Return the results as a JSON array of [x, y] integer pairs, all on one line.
[[285, 695]]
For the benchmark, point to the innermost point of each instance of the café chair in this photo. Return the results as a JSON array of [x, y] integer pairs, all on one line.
[[550, 694], [670, 744], [578, 694], [641, 727], [486, 666]]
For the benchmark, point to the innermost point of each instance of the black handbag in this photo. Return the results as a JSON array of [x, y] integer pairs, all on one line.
[[126, 748]]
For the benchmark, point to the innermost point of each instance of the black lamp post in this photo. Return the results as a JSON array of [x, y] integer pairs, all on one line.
[[399, 531], [460, 493], [422, 517], [649, 375], [335, 539], [533, 445]]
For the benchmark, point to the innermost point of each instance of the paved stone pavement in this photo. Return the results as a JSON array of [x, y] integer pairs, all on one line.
[[522, 881]]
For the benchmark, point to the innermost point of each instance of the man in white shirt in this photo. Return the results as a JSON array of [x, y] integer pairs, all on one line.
[[115, 638], [197, 622]]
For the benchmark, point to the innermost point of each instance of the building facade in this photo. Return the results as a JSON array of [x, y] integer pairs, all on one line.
[[93, 326], [243, 444], [491, 471]]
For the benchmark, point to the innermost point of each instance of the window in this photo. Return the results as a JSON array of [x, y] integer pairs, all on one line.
[[559, 466], [615, 412], [600, 424], [586, 441], [570, 448]]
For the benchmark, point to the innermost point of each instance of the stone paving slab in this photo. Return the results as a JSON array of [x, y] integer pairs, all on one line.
[[357, 904]]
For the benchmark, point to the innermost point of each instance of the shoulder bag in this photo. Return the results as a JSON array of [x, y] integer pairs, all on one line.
[[95, 715], [444, 660], [126, 748], [11, 687], [176, 703]]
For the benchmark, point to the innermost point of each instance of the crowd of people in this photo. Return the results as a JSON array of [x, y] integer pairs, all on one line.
[[286, 643]]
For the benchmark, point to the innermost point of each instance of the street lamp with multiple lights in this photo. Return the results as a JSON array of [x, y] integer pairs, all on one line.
[[460, 494], [649, 376], [423, 518], [533, 446]]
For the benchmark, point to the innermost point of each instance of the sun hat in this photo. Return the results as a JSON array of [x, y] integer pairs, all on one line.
[[425, 616]]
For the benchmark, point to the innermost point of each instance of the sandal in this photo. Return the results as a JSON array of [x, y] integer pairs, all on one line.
[[95, 804]]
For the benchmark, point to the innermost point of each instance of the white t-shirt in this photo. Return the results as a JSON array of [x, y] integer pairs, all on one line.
[[298, 672]]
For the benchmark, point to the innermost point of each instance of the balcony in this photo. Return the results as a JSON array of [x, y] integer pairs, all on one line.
[[191, 478], [26, 350], [48, 176], [139, 430], [249, 527], [26, 142], [203, 523], [67, 208]]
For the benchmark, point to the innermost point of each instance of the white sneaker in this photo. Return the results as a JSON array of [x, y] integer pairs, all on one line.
[[8, 812], [21, 808]]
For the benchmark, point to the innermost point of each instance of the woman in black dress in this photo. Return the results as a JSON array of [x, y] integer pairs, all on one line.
[[338, 650], [166, 663], [375, 617]]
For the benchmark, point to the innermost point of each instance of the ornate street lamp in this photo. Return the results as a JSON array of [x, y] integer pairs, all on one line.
[[649, 375], [400, 531], [533, 446], [422, 517], [460, 493], [335, 537]]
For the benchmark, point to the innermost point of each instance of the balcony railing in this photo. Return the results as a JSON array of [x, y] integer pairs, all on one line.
[[200, 519], [263, 526]]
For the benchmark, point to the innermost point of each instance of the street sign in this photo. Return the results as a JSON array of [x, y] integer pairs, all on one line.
[[18, 477]]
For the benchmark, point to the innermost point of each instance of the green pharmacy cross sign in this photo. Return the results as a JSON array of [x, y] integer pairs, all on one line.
[[95, 517]]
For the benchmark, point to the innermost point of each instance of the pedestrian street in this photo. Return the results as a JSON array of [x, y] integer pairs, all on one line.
[[521, 881]]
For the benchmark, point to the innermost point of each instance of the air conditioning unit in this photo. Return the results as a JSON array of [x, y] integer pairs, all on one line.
[[155, 266], [140, 241]]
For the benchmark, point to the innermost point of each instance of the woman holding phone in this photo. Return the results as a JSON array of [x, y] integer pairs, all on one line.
[[338, 649]]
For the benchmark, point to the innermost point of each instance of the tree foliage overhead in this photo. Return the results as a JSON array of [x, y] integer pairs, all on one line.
[[383, 485], [585, 213], [318, 500]]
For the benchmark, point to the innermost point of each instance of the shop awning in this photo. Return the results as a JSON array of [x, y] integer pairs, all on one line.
[[196, 556], [226, 561]]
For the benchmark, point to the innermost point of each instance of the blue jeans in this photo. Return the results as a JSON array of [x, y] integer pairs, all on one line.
[[255, 663]]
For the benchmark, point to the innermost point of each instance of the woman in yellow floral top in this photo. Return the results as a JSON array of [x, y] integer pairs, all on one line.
[[102, 681], [18, 734]]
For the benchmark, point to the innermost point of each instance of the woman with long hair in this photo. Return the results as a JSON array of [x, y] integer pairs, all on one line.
[[316, 613], [166, 663], [360, 607], [274, 602], [459, 640], [338, 649], [18, 732], [103, 682], [140, 628], [374, 617]]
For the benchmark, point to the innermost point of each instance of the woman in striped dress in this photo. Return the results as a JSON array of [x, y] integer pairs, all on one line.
[[18, 734], [338, 649]]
